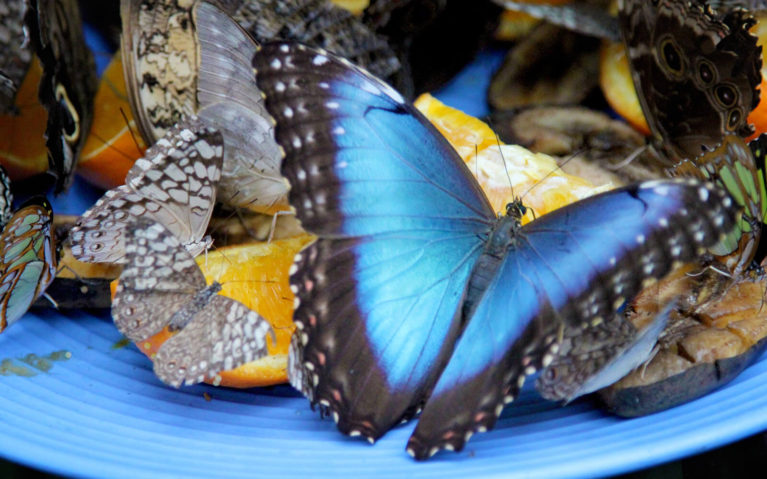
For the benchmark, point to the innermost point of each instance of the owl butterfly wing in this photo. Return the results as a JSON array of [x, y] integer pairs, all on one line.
[[27, 259], [6, 198], [68, 84], [158, 279], [224, 335], [570, 268], [732, 166], [583, 17], [695, 72], [231, 102], [400, 223], [15, 54], [160, 57], [174, 183], [318, 23], [597, 356]]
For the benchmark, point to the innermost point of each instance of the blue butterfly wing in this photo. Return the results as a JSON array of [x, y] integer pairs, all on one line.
[[570, 268], [400, 224]]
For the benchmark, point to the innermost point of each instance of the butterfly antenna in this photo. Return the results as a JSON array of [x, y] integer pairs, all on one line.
[[558, 168], [503, 159]]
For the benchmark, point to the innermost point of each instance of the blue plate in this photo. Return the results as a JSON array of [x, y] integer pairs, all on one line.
[[102, 413]]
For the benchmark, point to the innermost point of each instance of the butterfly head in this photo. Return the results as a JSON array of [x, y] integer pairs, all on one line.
[[516, 210]]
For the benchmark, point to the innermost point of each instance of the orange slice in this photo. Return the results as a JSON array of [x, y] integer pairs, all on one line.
[[506, 171], [758, 117], [110, 149], [22, 145], [256, 274], [618, 87]]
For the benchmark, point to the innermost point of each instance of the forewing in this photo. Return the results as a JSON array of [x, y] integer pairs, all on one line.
[[175, 184], [570, 268], [695, 72], [160, 57], [15, 54], [400, 223], [182, 178], [597, 356], [159, 277], [230, 102]]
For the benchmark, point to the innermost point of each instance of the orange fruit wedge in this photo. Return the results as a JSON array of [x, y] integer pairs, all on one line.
[[506, 171], [618, 87], [111, 149], [22, 144], [256, 274]]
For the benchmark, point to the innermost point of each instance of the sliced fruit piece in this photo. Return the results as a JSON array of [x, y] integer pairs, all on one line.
[[22, 146], [111, 149], [758, 117], [466, 133], [618, 87], [506, 171], [354, 6]]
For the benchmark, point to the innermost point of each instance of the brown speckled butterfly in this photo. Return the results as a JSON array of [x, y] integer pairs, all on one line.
[[161, 285], [695, 71]]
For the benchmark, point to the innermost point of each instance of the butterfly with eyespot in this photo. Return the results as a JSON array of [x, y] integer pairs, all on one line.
[[414, 289], [175, 183], [68, 84], [230, 102], [28, 256], [162, 286], [162, 54], [15, 53], [695, 71]]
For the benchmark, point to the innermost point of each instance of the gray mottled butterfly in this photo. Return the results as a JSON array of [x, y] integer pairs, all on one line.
[[161, 285], [175, 184], [203, 68]]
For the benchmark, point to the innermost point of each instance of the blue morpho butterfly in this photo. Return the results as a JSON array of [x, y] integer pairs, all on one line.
[[414, 288], [27, 253]]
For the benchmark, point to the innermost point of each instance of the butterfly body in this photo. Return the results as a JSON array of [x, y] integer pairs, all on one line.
[[197, 303], [415, 292]]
